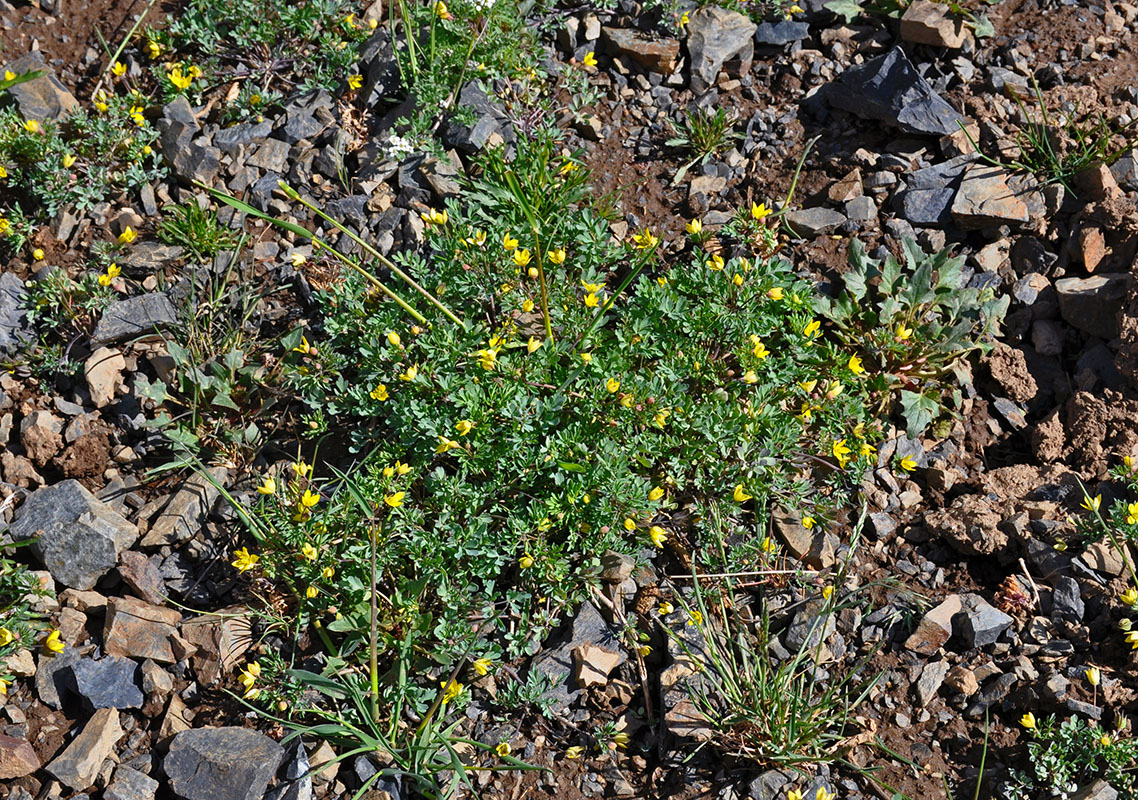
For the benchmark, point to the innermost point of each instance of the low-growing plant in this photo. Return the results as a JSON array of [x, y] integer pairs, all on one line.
[[196, 229], [63, 308], [20, 625], [1069, 755], [702, 133], [910, 325]]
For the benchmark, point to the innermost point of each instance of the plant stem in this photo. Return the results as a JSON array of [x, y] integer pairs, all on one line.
[[373, 640], [541, 280], [122, 46]]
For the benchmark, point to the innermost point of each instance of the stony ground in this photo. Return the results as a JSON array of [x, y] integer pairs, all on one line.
[[980, 616]]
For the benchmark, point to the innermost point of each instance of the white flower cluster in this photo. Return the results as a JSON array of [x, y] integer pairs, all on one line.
[[483, 5], [398, 148]]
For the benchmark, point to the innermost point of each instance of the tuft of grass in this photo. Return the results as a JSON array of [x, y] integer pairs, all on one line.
[[196, 229], [702, 134]]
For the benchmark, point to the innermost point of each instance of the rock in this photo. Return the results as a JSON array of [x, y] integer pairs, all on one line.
[[962, 680], [78, 765], [1090, 247], [985, 200], [811, 627], [929, 192], [15, 332], [925, 22], [935, 628], [139, 630], [593, 664], [889, 88], [298, 772], [861, 210], [971, 525], [810, 223], [103, 371], [1008, 367], [141, 575], [77, 537], [783, 32], [1067, 599], [1099, 790], [184, 515], [616, 567], [194, 162], [130, 784], [40, 434], [927, 686], [1093, 304], [1102, 557], [221, 643], [17, 758], [222, 764], [1096, 184], [270, 155], [157, 683], [685, 720], [176, 719], [110, 682], [490, 122], [980, 623], [43, 98], [715, 36], [1010, 413], [55, 683], [810, 546], [135, 317], [588, 627], [847, 188], [654, 55], [1029, 255]]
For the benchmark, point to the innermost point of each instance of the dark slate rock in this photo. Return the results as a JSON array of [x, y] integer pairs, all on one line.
[[812, 222], [980, 623], [222, 763], [488, 120], [130, 784], [15, 331], [889, 88], [110, 682], [134, 317], [297, 783], [1067, 600], [55, 682], [716, 36], [77, 537], [229, 139], [1028, 254], [42, 98], [783, 32], [928, 193], [589, 627], [177, 126], [194, 162]]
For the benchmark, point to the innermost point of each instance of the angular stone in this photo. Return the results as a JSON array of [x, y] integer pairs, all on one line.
[[813, 222], [985, 200], [177, 718], [927, 686], [110, 682], [221, 643], [715, 36], [889, 88], [195, 162], [935, 628], [130, 784], [78, 765], [15, 331], [222, 764], [55, 683], [652, 54], [42, 98], [593, 664], [103, 370], [847, 188], [139, 630], [588, 627], [925, 22], [963, 680], [271, 154], [1093, 304], [783, 32], [135, 317], [184, 515], [17, 758], [1099, 790], [142, 575], [78, 537], [927, 198], [980, 623]]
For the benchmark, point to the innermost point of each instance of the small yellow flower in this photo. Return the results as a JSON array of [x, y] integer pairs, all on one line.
[[1130, 596], [715, 262], [301, 469], [665, 608], [557, 256], [268, 486], [309, 499], [855, 365], [794, 794], [740, 495], [1128, 462], [867, 450], [1094, 676], [658, 536], [695, 618], [590, 59], [621, 740], [118, 69], [902, 333], [526, 561], [645, 240], [824, 794], [1105, 740], [52, 643], [433, 217], [509, 242], [812, 330], [521, 257], [4, 686], [394, 500], [841, 452], [1132, 514], [655, 494], [908, 463], [38, 254], [760, 351], [827, 591], [410, 374], [808, 386], [441, 10], [153, 49], [629, 524], [487, 358], [328, 572], [533, 345], [67, 160], [737, 280], [503, 749], [808, 522], [355, 82], [482, 666], [775, 293], [1028, 721], [768, 545], [128, 235], [750, 376], [308, 551], [644, 650], [379, 393], [592, 301], [695, 227], [180, 81], [1092, 503], [574, 752], [244, 560], [248, 677], [759, 211], [393, 339], [311, 592], [612, 385], [6, 637], [587, 357], [31, 126]]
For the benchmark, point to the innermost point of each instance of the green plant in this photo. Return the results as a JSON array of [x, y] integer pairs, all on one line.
[[702, 133], [15, 228], [19, 623], [910, 324], [1070, 755], [196, 229], [62, 308], [850, 10]]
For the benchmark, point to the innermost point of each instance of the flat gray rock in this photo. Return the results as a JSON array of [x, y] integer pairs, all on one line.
[[716, 36], [134, 317], [110, 682], [42, 98], [15, 331], [222, 764]]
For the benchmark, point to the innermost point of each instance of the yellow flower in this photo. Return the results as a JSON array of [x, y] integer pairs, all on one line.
[[441, 10], [31, 126], [694, 227], [509, 242], [1028, 721], [908, 463], [812, 331], [1130, 596], [482, 665], [695, 617], [445, 445], [393, 339], [808, 522], [464, 426], [629, 524], [311, 592], [67, 160], [6, 637], [760, 350], [1128, 462], [827, 591], [867, 450], [741, 495], [902, 333], [612, 385], [590, 59], [297, 259], [824, 794], [410, 375], [52, 643], [4, 686], [1094, 676], [9, 75], [38, 254], [855, 365], [808, 386], [715, 262], [768, 545], [533, 345], [775, 293], [737, 280], [841, 452], [621, 740], [644, 650], [128, 235], [574, 752], [526, 561], [433, 217], [1092, 503], [658, 535], [379, 393], [750, 376], [557, 256], [268, 485], [503, 749], [328, 572], [793, 794], [181, 82], [661, 280], [301, 469], [665, 608], [248, 677], [308, 551], [592, 301], [645, 240], [477, 240], [118, 69], [244, 560], [355, 82], [685, 18], [759, 211], [153, 49], [587, 357], [309, 499]]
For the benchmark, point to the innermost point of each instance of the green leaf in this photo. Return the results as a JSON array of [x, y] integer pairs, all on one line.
[[154, 391], [223, 400], [919, 411], [982, 26], [849, 10], [291, 340], [233, 360]]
